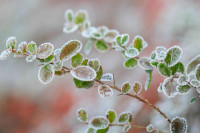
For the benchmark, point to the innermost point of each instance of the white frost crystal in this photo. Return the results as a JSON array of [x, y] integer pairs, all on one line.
[[105, 91], [169, 87], [107, 77]]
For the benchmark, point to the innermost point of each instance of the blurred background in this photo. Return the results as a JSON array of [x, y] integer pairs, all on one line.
[[27, 106]]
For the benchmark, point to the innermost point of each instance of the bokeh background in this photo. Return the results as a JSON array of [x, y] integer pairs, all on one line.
[[27, 106]]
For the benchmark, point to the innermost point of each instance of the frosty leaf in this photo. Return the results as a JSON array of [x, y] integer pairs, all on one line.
[[178, 125], [132, 52], [82, 115], [193, 64], [123, 118], [137, 87], [197, 72], [69, 27], [49, 59], [83, 84], [60, 72], [150, 128], [110, 36], [194, 83], [101, 46], [103, 130], [154, 63], [111, 116], [86, 25], [83, 73], [91, 130], [4, 55], [99, 73], [88, 46], [88, 33], [105, 91], [118, 39], [148, 80], [94, 63], [169, 87], [173, 56], [80, 16], [193, 99], [58, 65], [46, 74], [126, 87], [99, 123], [69, 15], [107, 77], [161, 55], [84, 62], [153, 55], [182, 80], [130, 63], [138, 43], [45, 50], [70, 49], [30, 58], [164, 69], [126, 128], [183, 89], [145, 63], [96, 35], [23, 47], [57, 51], [179, 67], [32, 47], [11, 42], [160, 49], [160, 87], [76, 60], [124, 39], [102, 30], [18, 53]]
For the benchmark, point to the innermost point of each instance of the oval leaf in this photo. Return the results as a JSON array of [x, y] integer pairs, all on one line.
[[101, 46], [111, 116], [169, 87], [46, 74], [178, 125], [145, 63], [193, 64], [82, 115], [132, 52], [45, 50], [105, 91], [137, 87], [76, 60], [130, 63], [99, 123], [126, 87], [164, 70]]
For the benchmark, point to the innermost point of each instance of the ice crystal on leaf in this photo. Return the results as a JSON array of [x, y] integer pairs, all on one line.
[[178, 125], [105, 91], [99, 122], [169, 87], [107, 77], [45, 50], [46, 74], [11, 42]]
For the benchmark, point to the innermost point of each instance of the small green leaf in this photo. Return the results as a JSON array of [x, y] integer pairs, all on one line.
[[179, 67], [99, 123], [193, 64], [197, 72], [23, 46], [130, 63], [119, 40], [164, 69], [91, 130], [45, 50], [83, 84], [183, 89], [126, 128], [103, 130], [101, 46], [148, 80], [69, 16], [174, 55], [49, 59], [88, 45], [82, 115], [123, 118], [76, 60], [154, 63], [126, 87], [124, 39], [80, 17], [137, 87], [145, 63], [153, 55], [94, 63], [138, 43], [84, 62], [99, 73], [111, 116], [193, 99], [132, 52], [178, 125], [60, 72], [46, 74], [11, 42]]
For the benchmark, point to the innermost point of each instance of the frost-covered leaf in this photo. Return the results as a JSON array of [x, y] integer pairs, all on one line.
[[173, 56], [99, 73], [70, 27], [30, 58], [124, 39], [69, 15], [123, 118], [84, 62], [23, 47], [60, 72], [46, 74], [193, 64], [111, 116], [88, 33], [148, 80], [76, 60], [102, 30], [153, 55], [107, 77], [118, 39], [83, 84], [183, 89], [57, 51], [101, 46], [160, 88], [110, 36], [161, 55], [99, 122], [103, 130], [154, 63], [4, 54], [193, 99], [137, 87], [126, 87], [11, 42], [138, 43], [94, 63], [182, 80], [149, 128], [197, 72], [132, 52], [70, 49], [130, 63], [195, 83], [160, 49], [83, 73], [45, 50], [86, 25], [105, 91], [145, 63], [88, 45], [178, 125], [80, 16], [164, 69], [18, 53], [58, 65], [82, 115], [126, 128], [49, 59], [32, 47], [91, 130], [178, 68], [169, 87]]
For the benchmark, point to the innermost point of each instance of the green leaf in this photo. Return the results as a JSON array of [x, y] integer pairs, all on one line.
[[94, 63], [164, 69], [70, 49], [23, 47], [193, 64], [124, 39], [91, 130], [105, 91], [60, 72], [99, 123], [111, 116], [80, 17], [88, 45], [174, 55], [83, 84], [46, 74], [82, 115], [148, 80], [101, 46], [110, 36], [76, 60], [103, 130], [138, 43], [126, 87], [178, 125], [123, 118], [84, 62], [130, 63], [49, 59], [137, 87], [99, 73], [44, 50], [145, 63], [11, 42], [183, 89], [197, 72], [193, 99], [69, 15], [119, 40], [132, 52], [153, 55], [154, 63], [179, 67], [126, 128]]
